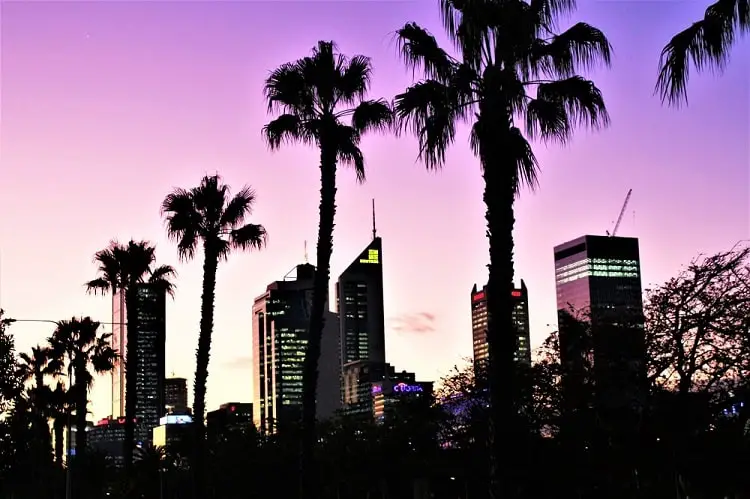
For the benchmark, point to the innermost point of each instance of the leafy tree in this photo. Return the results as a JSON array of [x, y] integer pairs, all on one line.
[[10, 382], [210, 216], [697, 324], [513, 67], [706, 43], [122, 268], [313, 96]]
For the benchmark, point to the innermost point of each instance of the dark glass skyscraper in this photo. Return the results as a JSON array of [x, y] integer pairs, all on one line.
[[520, 297], [281, 318], [599, 283], [359, 294], [151, 334], [175, 395]]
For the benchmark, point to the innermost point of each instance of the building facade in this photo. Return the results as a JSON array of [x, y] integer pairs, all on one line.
[[228, 418], [600, 315], [176, 396], [151, 340], [281, 319], [479, 322]]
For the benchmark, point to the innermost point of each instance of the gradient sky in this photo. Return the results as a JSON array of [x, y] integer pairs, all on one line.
[[106, 106]]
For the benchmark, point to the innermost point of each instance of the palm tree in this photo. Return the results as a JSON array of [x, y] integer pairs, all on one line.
[[60, 405], [122, 268], [76, 344], [34, 368], [513, 71], [706, 43], [210, 216], [313, 96]]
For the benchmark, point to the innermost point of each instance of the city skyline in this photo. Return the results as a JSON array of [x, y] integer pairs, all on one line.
[[104, 117]]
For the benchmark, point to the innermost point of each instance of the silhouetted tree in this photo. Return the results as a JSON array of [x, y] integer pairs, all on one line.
[[208, 215], [313, 96], [706, 43], [505, 49], [121, 268]]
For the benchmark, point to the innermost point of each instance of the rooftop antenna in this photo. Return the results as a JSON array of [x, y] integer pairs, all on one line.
[[374, 230], [306, 259]]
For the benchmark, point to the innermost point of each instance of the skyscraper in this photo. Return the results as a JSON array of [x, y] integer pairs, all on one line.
[[359, 294], [281, 318], [598, 282], [520, 297], [150, 329], [175, 395]]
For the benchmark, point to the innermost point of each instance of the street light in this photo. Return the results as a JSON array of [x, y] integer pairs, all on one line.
[[69, 432]]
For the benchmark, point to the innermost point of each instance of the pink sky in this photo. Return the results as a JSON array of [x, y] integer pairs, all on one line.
[[106, 106]]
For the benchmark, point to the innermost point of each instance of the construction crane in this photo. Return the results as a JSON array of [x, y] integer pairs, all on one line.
[[622, 212]]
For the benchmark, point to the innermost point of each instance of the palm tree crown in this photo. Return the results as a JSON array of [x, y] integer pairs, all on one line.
[[209, 214], [706, 43], [314, 94], [513, 67]]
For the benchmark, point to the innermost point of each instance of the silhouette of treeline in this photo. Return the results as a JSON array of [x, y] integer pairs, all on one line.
[[690, 439], [514, 78]]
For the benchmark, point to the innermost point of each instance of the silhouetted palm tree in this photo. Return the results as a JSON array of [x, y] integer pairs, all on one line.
[[75, 343], [706, 43], [210, 216], [513, 72], [34, 368], [314, 95], [60, 406], [121, 268]]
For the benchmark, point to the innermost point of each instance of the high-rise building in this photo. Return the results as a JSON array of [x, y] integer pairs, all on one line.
[[359, 295], [228, 418], [600, 315], [479, 320], [150, 329], [175, 395], [281, 319]]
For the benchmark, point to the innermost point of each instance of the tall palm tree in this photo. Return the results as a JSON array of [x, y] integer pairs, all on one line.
[[513, 71], [60, 405], [34, 368], [707, 43], [122, 268], [313, 96], [210, 216], [75, 343]]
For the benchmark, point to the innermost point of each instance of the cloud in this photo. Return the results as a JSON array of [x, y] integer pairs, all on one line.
[[418, 323], [239, 363]]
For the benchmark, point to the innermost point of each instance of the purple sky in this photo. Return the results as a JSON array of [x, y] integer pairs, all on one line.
[[106, 106]]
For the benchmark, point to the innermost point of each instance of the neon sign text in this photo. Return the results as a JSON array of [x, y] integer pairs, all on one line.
[[403, 387]]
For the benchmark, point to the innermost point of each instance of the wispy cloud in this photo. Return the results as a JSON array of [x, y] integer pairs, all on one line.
[[416, 323], [239, 363]]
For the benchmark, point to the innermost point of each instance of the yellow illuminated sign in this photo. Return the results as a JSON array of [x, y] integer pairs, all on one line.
[[372, 257]]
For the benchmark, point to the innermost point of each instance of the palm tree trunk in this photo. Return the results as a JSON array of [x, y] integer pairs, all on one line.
[[202, 356], [131, 375], [499, 195], [308, 475], [59, 427], [82, 402]]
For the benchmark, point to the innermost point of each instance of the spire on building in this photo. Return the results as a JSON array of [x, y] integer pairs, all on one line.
[[374, 230]]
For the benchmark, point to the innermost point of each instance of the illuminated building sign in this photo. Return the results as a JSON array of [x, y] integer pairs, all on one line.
[[516, 293], [479, 296], [372, 257], [175, 419], [399, 388], [105, 421]]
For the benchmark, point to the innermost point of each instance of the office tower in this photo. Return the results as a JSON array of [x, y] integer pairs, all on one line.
[[281, 318], [150, 332], [227, 419], [175, 395], [520, 297], [359, 295], [600, 315], [174, 433]]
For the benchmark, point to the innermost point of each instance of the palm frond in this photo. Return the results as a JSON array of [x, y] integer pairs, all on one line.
[[163, 278], [372, 115], [249, 236], [287, 128], [548, 12], [562, 104], [183, 222], [349, 153], [419, 49], [515, 146], [238, 207], [286, 90], [430, 109], [353, 80], [705, 43], [581, 46]]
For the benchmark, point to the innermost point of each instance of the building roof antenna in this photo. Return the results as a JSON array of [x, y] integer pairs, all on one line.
[[306, 259], [374, 230]]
